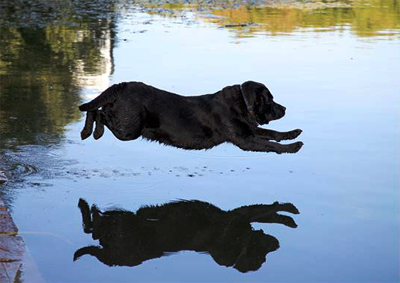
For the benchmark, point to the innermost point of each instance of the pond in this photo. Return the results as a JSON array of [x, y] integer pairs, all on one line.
[[334, 65]]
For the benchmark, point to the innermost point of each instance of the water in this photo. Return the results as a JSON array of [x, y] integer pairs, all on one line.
[[335, 69]]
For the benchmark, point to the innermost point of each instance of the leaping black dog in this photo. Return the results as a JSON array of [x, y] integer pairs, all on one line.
[[128, 239], [134, 109]]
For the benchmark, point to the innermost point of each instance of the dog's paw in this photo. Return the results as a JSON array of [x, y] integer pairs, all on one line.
[[295, 133], [98, 132], [286, 207], [291, 148], [291, 135], [85, 133], [296, 146]]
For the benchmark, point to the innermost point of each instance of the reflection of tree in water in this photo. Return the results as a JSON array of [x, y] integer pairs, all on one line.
[[49, 51], [365, 18], [129, 239], [40, 67]]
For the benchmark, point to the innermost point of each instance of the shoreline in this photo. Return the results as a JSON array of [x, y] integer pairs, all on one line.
[[12, 247]]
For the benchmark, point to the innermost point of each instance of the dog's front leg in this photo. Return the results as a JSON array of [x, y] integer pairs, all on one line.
[[262, 145], [267, 213], [277, 136]]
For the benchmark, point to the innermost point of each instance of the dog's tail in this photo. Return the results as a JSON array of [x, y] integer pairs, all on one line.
[[107, 96]]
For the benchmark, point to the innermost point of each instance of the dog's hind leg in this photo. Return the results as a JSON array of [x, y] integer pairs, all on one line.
[[99, 130], [125, 125], [86, 216], [88, 129]]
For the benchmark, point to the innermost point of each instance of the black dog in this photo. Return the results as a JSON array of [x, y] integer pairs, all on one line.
[[134, 109], [128, 239]]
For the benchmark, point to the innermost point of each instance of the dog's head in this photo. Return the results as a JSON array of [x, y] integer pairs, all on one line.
[[260, 102]]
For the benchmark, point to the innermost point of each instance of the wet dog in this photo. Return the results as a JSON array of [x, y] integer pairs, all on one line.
[[233, 114]]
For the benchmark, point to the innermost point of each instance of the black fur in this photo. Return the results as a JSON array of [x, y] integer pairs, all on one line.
[[128, 239], [134, 109]]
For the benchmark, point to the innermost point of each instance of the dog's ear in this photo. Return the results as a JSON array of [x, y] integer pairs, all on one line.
[[252, 92]]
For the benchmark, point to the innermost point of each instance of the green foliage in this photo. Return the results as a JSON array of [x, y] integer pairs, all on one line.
[[40, 69]]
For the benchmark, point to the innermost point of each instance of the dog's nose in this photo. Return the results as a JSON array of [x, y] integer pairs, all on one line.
[[284, 108]]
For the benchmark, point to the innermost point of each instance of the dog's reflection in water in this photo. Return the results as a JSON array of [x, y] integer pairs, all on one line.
[[128, 239]]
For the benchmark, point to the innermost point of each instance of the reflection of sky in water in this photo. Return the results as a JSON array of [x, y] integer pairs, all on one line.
[[342, 90]]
